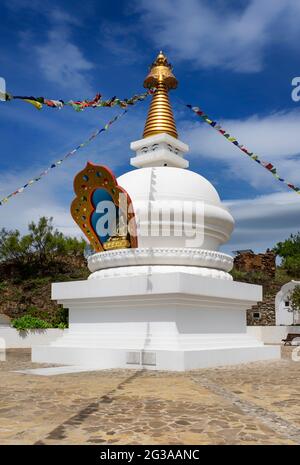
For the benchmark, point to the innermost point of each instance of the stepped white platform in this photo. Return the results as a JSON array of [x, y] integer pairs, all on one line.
[[170, 303], [172, 320]]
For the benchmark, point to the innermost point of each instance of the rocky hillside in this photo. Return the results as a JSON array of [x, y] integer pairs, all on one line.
[[22, 294]]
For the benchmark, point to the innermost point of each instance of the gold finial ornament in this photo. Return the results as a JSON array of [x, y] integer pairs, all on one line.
[[160, 118]]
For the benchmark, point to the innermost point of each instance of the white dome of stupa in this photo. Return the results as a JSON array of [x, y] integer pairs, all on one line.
[[158, 191]]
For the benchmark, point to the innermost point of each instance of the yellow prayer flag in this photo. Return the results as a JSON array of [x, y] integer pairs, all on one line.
[[37, 105]]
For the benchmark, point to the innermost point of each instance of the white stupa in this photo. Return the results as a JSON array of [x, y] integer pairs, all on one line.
[[169, 303]]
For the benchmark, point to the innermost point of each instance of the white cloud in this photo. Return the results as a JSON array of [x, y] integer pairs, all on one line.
[[219, 34], [38, 200], [275, 138], [62, 62], [263, 221], [120, 41], [48, 197]]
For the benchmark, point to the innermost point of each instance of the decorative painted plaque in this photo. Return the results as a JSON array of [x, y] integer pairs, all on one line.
[[103, 209]]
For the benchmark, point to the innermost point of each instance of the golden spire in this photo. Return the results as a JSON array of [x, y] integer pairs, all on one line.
[[160, 117]]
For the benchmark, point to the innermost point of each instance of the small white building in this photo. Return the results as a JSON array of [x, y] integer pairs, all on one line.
[[283, 311]]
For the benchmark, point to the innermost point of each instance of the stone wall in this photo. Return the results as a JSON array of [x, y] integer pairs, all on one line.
[[266, 310], [264, 262]]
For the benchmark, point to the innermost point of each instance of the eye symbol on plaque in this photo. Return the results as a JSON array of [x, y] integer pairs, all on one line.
[[103, 210]]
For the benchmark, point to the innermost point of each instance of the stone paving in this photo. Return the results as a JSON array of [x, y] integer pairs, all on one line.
[[257, 403]]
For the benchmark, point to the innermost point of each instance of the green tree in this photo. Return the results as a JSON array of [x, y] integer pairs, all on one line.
[[42, 239], [43, 245], [295, 302], [289, 251], [13, 247]]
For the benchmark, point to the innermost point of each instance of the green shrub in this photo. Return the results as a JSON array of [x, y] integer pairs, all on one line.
[[290, 247], [60, 318], [253, 277], [292, 265], [62, 326], [29, 322], [36, 313], [55, 319]]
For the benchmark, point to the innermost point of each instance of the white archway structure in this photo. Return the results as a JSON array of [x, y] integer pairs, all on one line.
[[283, 312]]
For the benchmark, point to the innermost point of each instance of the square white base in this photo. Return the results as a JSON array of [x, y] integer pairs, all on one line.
[[174, 321]]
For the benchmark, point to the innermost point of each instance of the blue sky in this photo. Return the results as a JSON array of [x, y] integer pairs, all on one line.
[[234, 59]]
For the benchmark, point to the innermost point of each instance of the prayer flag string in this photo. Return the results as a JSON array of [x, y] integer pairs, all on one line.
[[78, 105], [72, 152], [59, 162], [267, 165]]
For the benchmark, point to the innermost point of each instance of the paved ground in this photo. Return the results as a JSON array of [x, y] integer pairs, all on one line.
[[258, 403]]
